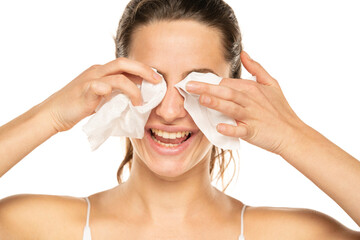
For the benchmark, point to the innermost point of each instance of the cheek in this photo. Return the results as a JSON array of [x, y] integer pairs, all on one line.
[[202, 150]]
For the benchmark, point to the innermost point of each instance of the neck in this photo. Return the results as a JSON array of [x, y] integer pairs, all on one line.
[[164, 199]]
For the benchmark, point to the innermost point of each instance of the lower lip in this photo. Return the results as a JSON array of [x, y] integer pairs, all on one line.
[[163, 150]]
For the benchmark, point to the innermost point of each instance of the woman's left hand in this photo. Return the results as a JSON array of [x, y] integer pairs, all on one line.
[[263, 116]]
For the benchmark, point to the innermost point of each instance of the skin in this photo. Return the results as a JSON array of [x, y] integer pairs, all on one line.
[[173, 196], [181, 183]]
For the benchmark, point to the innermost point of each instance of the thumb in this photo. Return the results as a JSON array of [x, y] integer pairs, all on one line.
[[253, 67]]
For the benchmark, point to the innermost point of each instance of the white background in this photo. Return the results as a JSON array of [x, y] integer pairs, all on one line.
[[310, 47]]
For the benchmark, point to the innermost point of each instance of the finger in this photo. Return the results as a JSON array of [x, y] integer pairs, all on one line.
[[100, 88], [239, 131], [250, 88], [122, 65], [229, 108], [219, 91], [235, 83], [95, 89], [125, 85], [254, 91], [134, 78], [253, 67]]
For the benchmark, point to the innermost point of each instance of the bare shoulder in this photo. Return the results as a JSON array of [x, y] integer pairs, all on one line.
[[35, 216], [294, 223]]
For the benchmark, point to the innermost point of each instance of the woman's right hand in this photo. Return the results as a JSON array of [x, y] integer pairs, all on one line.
[[80, 97]]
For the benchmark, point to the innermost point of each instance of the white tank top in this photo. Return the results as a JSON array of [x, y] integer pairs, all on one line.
[[87, 232]]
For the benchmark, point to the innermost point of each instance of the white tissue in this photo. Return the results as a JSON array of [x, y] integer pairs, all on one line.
[[118, 117], [206, 118]]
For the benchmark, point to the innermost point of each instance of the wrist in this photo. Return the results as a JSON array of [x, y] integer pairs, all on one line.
[[44, 116], [299, 140]]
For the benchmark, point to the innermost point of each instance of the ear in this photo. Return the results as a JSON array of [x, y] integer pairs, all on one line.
[[253, 67]]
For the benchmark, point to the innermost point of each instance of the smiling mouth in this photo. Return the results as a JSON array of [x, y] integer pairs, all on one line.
[[169, 139]]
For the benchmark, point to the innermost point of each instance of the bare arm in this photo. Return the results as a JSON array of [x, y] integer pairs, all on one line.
[[22, 135], [65, 108], [332, 169], [265, 119]]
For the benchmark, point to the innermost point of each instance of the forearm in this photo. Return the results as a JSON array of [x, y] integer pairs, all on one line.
[[332, 169], [22, 135]]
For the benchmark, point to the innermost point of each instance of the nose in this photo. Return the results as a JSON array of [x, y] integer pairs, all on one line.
[[171, 107]]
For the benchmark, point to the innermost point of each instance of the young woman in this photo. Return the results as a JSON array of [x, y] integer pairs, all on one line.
[[169, 193]]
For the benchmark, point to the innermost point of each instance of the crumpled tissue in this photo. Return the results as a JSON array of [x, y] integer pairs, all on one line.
[[206, 118], [118, 117]]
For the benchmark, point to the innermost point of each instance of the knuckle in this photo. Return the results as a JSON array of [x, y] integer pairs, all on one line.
[[205, 88], [89, 86], [92, 83], [215, 103], [121, 79], [249, 82], [231, 94], [144, 66], [97, 87], [224, 81], [252, 87], [94, 70], [275, 81], [95, 67], [234, 110], [120, 61], [229, 82], [122, 82], [257, 64]]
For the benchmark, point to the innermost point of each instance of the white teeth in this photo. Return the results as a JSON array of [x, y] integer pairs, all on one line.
[[165, 135], [165, 144], [170, 135]]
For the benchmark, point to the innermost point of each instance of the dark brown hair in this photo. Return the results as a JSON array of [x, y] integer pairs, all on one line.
[[212, 13]]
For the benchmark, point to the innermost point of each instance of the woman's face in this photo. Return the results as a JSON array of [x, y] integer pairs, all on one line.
[[175, 48]]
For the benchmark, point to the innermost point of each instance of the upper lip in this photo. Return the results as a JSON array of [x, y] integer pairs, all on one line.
[[172, 128]]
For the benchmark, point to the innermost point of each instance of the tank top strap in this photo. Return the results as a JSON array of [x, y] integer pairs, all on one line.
[[87, 232], [241, 237]]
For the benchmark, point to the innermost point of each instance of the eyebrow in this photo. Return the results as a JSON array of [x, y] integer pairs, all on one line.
[[184, 74]]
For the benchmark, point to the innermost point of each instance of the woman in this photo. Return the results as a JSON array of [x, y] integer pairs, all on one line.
[[169, 193]]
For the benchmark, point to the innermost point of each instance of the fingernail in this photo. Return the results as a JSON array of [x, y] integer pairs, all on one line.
[[192, 86], [157, 77]]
